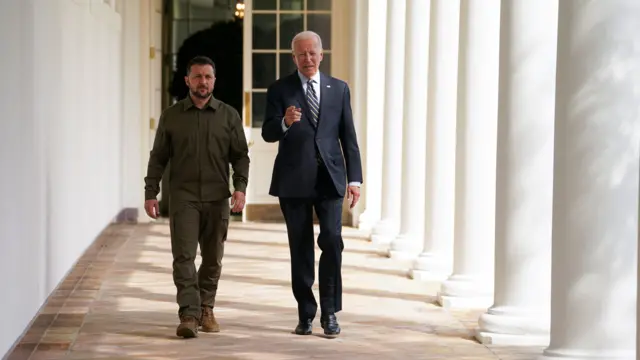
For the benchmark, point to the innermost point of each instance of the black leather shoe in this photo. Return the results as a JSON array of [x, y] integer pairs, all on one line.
[[330, 325], [304, 327]]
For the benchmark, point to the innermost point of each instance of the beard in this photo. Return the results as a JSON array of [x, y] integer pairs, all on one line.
[[195, 92]]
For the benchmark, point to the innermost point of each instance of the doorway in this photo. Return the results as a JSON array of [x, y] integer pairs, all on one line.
[[269, 27], [212, 28], [250, 42]]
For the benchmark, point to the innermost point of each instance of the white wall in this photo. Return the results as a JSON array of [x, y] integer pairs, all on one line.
[[60, 145]]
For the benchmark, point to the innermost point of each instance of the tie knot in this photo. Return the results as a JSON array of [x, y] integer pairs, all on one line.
[[310, 81]]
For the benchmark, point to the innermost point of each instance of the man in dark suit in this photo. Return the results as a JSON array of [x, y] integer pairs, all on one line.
[[309, 113]]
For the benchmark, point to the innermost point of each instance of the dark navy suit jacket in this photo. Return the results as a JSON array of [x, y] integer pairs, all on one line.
[[296, 167]]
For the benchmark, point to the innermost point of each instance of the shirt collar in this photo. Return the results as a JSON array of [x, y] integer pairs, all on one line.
[[315, 77], [187, 103]]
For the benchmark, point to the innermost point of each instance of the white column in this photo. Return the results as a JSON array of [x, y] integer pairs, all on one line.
[[356, 47], [435, 262], [388, 227], [595, 204], [146, 139], [358, 66], [132, 172], [520, 312], [370, 14], [471, 283], [408, 243]]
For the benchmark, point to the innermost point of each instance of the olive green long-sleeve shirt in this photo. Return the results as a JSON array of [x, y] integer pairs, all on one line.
[[201, 143]]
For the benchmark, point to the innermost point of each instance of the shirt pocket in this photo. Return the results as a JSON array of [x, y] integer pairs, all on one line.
[[184, 138], [219, 137]]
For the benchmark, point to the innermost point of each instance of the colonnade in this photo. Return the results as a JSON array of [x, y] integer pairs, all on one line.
[[509, 134]]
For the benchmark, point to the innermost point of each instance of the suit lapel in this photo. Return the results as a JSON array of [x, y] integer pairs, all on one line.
[[325, 94]]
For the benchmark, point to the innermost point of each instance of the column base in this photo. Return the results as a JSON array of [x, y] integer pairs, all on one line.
[[465, 291], [512, 326], [401, 254], [430, 267], [384, 232], [366, 221], [459, 302], [487, 338], [381, 239], [403, 247], [423, 275], [381, 249], [568, 354]]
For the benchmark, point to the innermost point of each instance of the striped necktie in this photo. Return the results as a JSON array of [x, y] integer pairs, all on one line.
[[312, 100]]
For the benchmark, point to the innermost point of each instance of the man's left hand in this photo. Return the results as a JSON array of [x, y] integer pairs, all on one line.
[[237, 201], [353, 195]]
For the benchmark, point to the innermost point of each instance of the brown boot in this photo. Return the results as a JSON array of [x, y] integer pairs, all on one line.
[[188, 327], [208, 320]]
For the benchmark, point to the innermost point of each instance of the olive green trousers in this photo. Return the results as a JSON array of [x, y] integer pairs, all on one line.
[[192, 224]]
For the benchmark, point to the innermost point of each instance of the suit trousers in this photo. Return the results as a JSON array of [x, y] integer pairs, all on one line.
[[298, 214], [193, 224]]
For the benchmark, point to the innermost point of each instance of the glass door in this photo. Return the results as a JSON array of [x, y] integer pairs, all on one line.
[[274, 24], [269, 27]]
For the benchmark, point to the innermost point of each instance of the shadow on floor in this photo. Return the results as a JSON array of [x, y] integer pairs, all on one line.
[[119, 302]]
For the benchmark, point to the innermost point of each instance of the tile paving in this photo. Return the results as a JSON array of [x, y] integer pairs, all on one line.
[[119, 303]]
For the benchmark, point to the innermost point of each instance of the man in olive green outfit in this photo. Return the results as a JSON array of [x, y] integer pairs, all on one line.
[[201, 136]]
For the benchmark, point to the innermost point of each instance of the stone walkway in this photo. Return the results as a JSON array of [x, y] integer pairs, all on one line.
[[119, 303]]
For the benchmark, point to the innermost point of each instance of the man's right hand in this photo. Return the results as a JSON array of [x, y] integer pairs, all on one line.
[[292, 115], [152, 208]]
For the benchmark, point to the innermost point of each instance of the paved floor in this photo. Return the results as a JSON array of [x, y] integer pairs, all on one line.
[[118, 303]]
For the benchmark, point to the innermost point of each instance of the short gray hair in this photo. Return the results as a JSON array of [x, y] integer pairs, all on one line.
[[306, 35]]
